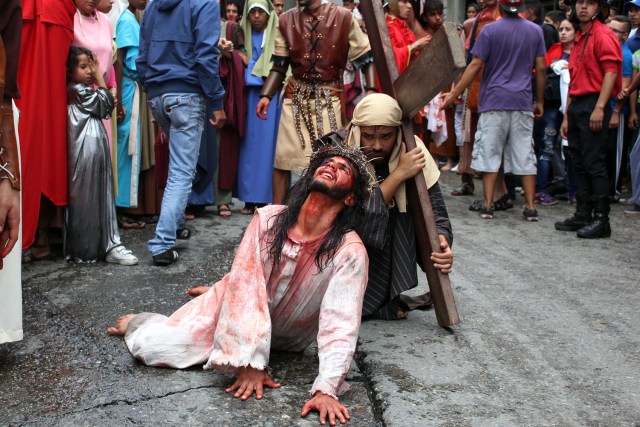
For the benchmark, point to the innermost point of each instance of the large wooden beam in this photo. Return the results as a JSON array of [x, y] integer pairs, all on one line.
[[417, 191], [437, 65]]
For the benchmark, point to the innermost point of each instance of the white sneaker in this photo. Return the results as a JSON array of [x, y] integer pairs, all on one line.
[[455, 168], [121, 255]]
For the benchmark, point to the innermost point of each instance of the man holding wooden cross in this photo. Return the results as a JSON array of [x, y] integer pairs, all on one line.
[[388, 230]]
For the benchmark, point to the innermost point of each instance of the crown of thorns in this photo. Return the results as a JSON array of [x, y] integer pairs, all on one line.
[[325, 148]]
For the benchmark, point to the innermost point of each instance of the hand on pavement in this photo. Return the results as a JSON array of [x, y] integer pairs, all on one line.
[[250, 380], [326, 406]]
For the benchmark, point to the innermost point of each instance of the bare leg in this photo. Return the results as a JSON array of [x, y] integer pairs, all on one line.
[[500, 187], [447, 167], [281, 182], [489, 184], [121, 325], [529, 187], [40, 247], [197, 290]]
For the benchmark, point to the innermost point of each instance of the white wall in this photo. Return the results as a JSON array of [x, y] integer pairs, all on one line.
[[454, 10]]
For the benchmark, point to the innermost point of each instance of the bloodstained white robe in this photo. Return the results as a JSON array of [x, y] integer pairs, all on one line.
[[256, 307]]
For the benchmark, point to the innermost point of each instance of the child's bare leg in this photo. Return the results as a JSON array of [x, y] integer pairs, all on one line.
[[121, 325]]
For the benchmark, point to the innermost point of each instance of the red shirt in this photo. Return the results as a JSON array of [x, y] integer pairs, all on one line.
[[593, 54], [401, 40], [553, 54]]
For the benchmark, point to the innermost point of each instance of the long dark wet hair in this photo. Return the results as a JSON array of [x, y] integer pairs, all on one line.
[[276, 235]]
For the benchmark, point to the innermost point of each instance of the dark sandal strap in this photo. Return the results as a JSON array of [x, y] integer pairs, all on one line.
[[183, 233]]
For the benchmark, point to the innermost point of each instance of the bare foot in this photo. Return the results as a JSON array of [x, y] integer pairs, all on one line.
[[197, 291], [121, 325], [447, 167]]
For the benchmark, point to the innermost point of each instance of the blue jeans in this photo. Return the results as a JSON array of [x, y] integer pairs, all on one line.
[[546, 144], [181, 116]]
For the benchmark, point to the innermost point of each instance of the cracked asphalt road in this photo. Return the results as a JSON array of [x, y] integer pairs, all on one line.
[[549, 336], [68, 371]]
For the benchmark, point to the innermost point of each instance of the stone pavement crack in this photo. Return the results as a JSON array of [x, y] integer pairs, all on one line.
[[377, 404], [136, 401]]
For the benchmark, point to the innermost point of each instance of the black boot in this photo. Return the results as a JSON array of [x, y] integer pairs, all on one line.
[[581, 217], [600, 226]]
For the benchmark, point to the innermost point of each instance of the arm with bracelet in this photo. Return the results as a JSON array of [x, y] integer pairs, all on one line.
[[9, 169]]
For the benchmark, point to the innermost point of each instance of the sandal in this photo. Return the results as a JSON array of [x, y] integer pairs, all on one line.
[[476, 205], [128, 223], [503, 203], [29, 256], [463, 190], [248, 209], [224, 211], [149, 219], [40, 249]]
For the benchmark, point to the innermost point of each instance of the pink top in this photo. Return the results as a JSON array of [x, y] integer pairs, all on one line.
[[96, 34], [255, 308]]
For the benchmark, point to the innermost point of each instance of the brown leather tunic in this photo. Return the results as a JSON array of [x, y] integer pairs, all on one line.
[[318, 43]]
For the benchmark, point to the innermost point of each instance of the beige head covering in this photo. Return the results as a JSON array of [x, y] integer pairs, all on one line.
[[382, 110]]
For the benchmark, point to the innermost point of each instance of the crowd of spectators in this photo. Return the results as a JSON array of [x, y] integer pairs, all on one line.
[[236, 160], [561, 173]]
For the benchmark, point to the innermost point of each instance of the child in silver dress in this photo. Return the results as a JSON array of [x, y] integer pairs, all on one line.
[[90, 224]]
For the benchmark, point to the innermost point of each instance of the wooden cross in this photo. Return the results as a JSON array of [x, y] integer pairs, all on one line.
[[435, 67]]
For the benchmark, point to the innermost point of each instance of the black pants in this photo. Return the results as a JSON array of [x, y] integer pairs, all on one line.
[[588, 149]]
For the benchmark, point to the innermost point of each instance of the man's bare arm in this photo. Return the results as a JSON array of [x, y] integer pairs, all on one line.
[[270, 87], [409, 165], [467, 77], [541, 80], [9, 170]]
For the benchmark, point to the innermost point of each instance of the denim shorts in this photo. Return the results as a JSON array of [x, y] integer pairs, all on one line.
[[505, 135]]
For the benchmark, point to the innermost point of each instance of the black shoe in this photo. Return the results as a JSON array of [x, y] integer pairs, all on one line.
[[183, 233], [165, 258], [573, 223], [486, 212], [598, 228], [581, 217], [530, 214]]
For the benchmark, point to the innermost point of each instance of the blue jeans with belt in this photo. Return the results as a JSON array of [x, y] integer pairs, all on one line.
[[181, 116]]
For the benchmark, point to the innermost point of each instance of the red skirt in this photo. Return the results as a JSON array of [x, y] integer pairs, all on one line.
[[43, 120]]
